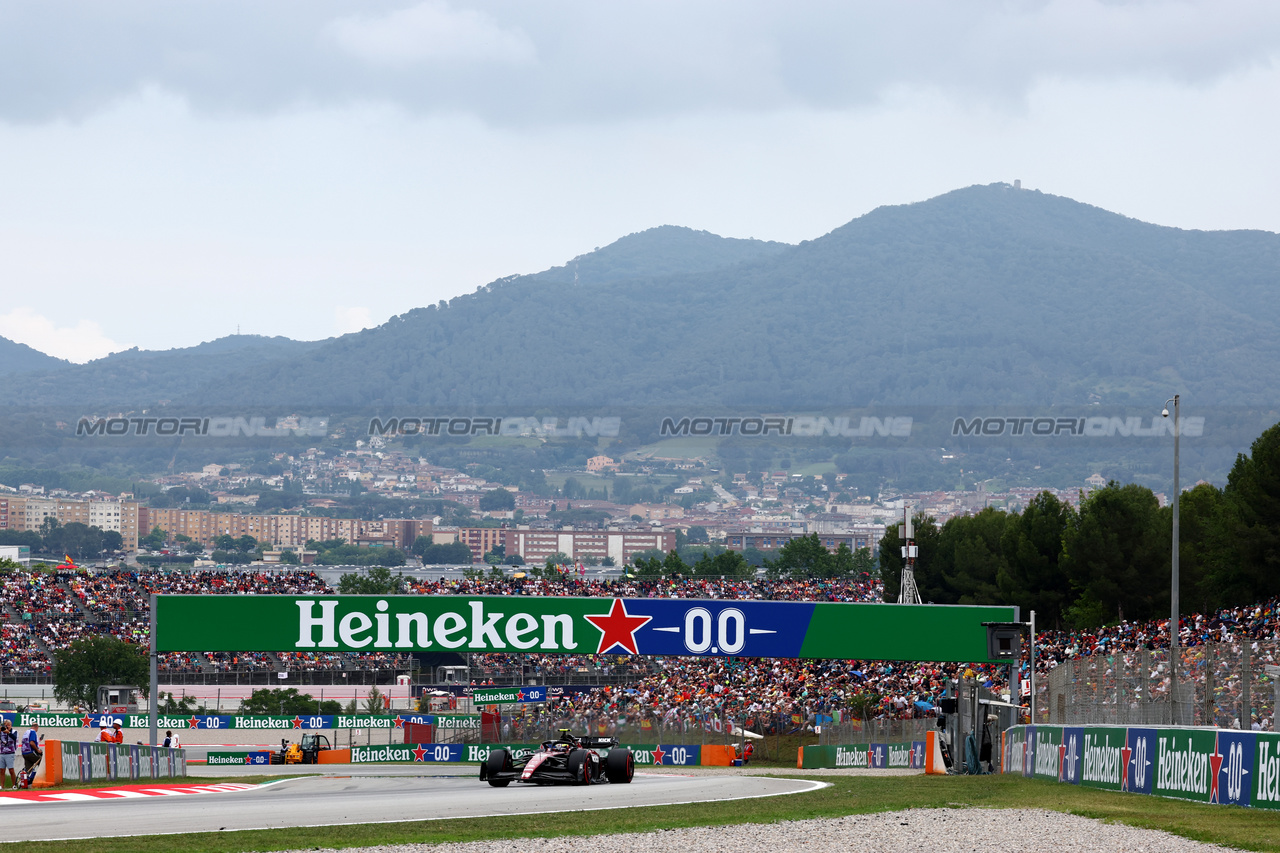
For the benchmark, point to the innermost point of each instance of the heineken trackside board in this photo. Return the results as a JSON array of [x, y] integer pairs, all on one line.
[[555, 625], [1210, 765]]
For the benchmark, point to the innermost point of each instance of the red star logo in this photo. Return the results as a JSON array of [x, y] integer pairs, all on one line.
[[297, 722], [419, 754], [618, 628], [399, 722], [194, 722], [248, 759], [658, 753], [1125, 754], [1215, 769], [520, 692], [86, 719], [1062, 759]]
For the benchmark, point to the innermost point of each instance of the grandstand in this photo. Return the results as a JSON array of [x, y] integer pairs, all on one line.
[[43, 611]]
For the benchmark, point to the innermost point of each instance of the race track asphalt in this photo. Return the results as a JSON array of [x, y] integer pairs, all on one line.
[[365, 794]]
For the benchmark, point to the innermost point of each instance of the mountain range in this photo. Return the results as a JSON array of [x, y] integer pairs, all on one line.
[[986, 295]]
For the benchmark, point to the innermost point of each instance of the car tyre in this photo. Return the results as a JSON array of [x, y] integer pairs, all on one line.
[[619, 766], [580, 767], [497, 762]]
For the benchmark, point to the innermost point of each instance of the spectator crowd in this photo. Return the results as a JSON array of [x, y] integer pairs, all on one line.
[[44, 612]]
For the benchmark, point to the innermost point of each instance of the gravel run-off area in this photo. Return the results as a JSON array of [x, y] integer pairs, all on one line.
[[958, 830]]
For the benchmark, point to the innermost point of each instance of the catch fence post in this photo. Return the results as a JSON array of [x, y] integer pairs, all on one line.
[[1246, 716]]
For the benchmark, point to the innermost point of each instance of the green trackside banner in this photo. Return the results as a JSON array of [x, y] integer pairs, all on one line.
[[553, 625], [1227, 766]]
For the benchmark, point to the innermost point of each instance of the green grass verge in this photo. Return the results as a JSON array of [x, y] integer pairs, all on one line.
[[1251, 829]]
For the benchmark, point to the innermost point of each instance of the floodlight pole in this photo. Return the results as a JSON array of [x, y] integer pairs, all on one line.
[[155, 679]]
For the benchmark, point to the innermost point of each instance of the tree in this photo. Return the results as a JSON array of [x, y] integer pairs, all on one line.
[[1032, 576], [90, 662], [864, 564], [453, 553], [421, 544], [1116, 555], [287, 556], [374, 703], [673, 565], [729, 564], [697, 533], [970, 557], [377, 581], [154, 540], [1206, 570], [806, 557], [1251, 521], [286, 701], [497, 500], [112, 540]]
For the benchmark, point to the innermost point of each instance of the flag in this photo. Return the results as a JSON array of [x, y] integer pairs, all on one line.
[[797, 719]]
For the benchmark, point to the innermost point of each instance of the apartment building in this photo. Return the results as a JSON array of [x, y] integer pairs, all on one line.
[[536, 546], [284, 531], [764, 539], [28, 513]]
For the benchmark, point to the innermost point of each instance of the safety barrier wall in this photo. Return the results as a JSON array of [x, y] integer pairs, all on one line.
[[91, 762], [646, 755], [906, 755], [1226, 766]]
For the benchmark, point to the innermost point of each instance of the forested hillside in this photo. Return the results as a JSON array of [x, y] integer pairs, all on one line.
[[987, 295], [20, 358]]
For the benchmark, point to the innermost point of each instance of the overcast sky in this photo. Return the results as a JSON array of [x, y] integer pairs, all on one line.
[[172, 171]]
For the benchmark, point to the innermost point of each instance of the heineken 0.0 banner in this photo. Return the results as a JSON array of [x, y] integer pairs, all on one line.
[[632, 626], [1225, 766], [508, 695], [464, 722]]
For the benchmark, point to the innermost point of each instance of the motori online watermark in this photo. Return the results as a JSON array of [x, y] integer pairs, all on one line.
[[213, 427], [810, 426], [572, 427], [1092, 427]]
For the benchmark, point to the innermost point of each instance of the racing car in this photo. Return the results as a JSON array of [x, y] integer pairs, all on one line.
[[567, 761]]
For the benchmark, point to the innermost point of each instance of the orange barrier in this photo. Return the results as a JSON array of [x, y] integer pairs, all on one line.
[[333, 756], [718, 756], [49, 773], [933, 763], [800, 757]]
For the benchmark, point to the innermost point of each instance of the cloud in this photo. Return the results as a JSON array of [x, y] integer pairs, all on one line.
[[82, 342], [430, 31], [349, 319], [583, 61]]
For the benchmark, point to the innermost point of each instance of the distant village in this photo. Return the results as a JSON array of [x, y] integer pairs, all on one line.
[[740, 512]]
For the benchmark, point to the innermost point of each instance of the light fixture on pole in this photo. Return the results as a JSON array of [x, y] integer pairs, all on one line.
[[1173, 589], [908, 593]]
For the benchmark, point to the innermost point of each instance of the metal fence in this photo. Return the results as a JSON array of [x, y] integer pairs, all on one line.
[[1219, 684]]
